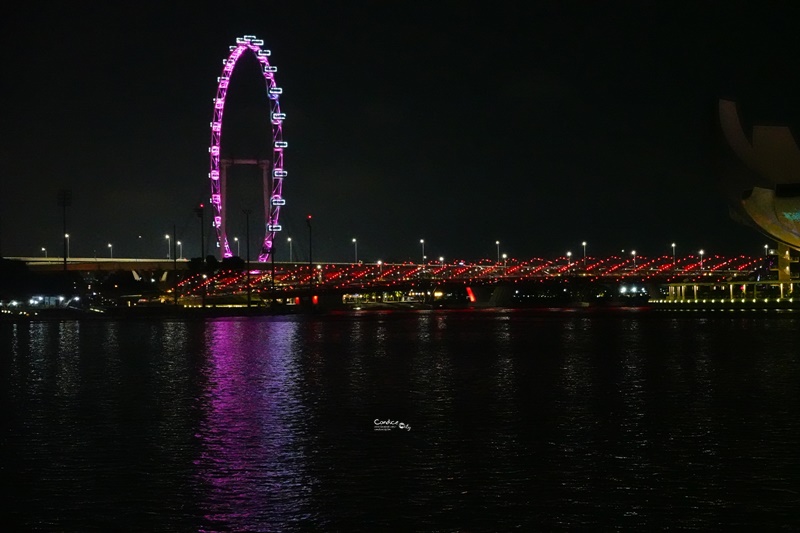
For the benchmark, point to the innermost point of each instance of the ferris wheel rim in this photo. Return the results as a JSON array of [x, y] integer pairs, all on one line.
[[274, 200]]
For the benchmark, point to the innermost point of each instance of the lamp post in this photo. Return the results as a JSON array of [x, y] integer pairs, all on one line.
[[505, 261], [289, 240], [701, 259], [246, 213], [633, 253], [673, 254], [169, 254], [355, 250], [180, 250], [422, 243], [584, 254], [497, 243], [64, 201], [380, 268], [310, 260], [569, 255], [45, 251], [199, 211], [110, 251], [238, 247], [175, 266], [441, 261], [766, 249]]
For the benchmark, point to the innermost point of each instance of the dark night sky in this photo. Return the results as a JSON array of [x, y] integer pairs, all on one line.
[[540, 124]]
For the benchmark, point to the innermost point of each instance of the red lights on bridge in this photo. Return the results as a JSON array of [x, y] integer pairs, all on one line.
[[290, 278]]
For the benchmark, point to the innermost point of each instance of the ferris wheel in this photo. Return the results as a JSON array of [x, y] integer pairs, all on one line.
[[275, 172]]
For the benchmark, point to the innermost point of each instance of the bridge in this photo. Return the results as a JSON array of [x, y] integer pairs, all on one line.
[[126, 282], [664, 269], [379, 277]]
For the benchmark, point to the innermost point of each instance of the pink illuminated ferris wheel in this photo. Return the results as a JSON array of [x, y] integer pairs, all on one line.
[[274, 172]]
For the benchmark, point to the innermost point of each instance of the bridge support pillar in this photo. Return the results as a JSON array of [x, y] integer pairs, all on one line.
[[501, 296]]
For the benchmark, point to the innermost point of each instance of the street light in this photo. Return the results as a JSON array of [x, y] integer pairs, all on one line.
[[168, 246], [422, 242], [238, 247], [633, 253], [498, 251], [673, 254], [766, 249], [289, 240], [505, 260], [246, 213], [441, 261], [180, 250], [45, 251], [64, 201], [310, 249], [380, 268], [701, 259], [355, 247], [110, 251], [584, 254], [569, 255]]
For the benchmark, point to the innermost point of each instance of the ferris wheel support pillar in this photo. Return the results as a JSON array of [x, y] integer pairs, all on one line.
[[266, 177]]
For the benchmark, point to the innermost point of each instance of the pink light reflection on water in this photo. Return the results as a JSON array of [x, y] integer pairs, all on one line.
[[251, 466]]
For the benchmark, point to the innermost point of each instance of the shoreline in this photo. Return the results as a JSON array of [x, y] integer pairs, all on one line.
[[659, 308]]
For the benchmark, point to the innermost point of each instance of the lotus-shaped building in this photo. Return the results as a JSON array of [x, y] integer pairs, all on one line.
[[773, 208]]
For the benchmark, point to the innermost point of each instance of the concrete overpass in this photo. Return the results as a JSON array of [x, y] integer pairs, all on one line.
[[108, 264]]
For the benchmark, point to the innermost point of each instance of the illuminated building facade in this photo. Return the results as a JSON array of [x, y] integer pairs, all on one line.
[[774, 208]]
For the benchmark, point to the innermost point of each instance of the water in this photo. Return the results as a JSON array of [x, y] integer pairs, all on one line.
[[529, 421]]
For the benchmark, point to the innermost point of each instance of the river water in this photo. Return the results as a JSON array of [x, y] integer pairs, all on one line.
[[414, 421]]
